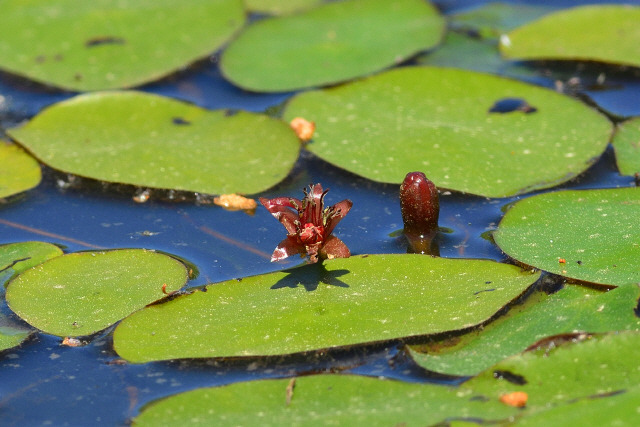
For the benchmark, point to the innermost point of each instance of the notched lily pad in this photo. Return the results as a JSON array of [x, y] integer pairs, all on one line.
[[330, 44], [587, 235], [437, 120], [18, 170], [339, 303], [626, 143], [82, 293], [570, 310], [156, 142], [320, 400], [605, 33], [99, 44]]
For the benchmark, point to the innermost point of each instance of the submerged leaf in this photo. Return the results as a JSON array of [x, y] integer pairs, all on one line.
[[156, 142], [438, 120], [101, 44], [606, 33], [82, 293], [330, 44], [342, 302]]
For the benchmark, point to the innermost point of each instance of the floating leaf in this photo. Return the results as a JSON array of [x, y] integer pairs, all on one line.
[[320, 400], [280, 7], [626, 143], [339, 303], [18, 257], [14, 259], [554, 381], [82, 293], [11, 336], [588, 235], [438, 120], [620, 408], [152, 141], [18, 171], [103, 45], [570, 372], [572, 309], [585, 33], [329, 44]]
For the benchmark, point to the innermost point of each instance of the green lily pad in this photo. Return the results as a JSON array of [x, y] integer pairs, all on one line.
[[557, 380], [330, 44], [564, 374], [14, 259], [99, 44], [12, 336], [319, 400], [152, 141], [595, 232], [18, 171], [572, 309], [620, 408], [585, 33], [280, 7], [82, 293], [340, 303], [18, 257], [440, 121], [626, 143]]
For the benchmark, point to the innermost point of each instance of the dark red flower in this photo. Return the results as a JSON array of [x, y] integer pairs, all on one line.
[[309, 225]]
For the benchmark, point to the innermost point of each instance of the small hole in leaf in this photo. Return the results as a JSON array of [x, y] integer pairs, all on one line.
[[180, 121], [509, 105]]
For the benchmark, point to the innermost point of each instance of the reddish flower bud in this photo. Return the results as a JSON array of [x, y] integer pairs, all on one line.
[[420, 208]]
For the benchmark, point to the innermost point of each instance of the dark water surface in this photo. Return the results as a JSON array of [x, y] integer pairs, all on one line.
[[44, 383]]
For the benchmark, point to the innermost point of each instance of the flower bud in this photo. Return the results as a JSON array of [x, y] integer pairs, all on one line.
[[420, 209]]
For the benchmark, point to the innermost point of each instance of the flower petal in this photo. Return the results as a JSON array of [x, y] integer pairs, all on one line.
[[279, 208], [335, 214], [334, 248], [286, 248]]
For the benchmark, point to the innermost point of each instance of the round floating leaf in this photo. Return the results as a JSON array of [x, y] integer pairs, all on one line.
[[572, 309], [18, 171], [11, 336], [620, 408], [18, 257], [320, 400], [82, 293], [606, 33], [329, 44], [279, 7], [100, 44], [343, 302], [595, 232], [152, 141], [467, 131], [597, 367], [626, 143]]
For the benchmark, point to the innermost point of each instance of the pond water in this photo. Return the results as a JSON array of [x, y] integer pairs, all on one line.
[[44, 383]]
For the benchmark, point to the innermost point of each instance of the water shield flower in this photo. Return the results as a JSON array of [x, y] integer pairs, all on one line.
[[309, 225]]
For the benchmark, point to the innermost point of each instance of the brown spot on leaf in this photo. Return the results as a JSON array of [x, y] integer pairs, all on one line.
[[98, 41]]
